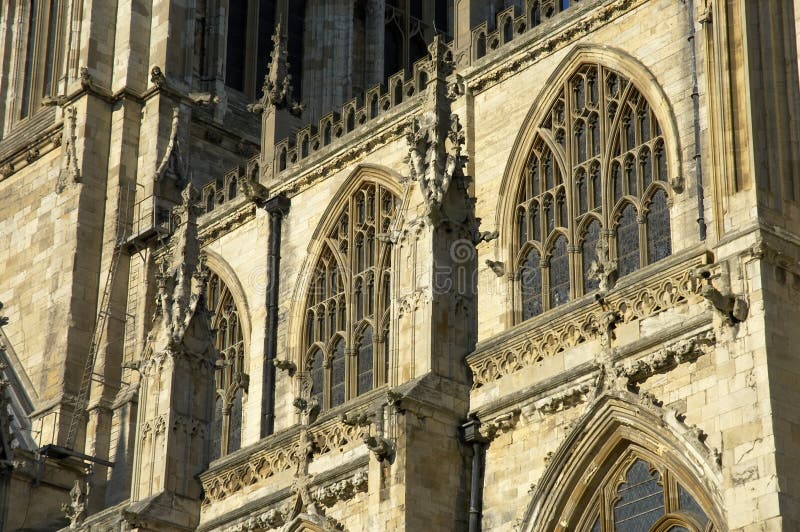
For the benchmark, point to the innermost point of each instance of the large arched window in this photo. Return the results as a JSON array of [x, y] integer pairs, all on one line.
[[346, 327], [594, 188], [230, 377], [641, 494]]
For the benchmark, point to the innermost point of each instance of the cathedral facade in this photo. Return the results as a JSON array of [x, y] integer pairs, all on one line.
[[399, 265]]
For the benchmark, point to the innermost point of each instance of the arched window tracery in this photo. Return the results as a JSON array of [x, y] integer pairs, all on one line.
[[641, 493], [596, 177], [347, 351], [230, 376]]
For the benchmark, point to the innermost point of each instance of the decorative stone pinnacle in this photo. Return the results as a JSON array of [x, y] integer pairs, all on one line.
[[277, 87]]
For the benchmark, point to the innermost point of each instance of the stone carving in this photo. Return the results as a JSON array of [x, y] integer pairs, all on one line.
[[342, 490], [658, 293], [563, 400], [430, 162], [285, 365], [70, 172], [666, 358], [732, 307], [75, 510], [172, 163], [87, 81], [499, 425], [383, 448], [277, 87], [157, 77], [603, 268], [181, 278]]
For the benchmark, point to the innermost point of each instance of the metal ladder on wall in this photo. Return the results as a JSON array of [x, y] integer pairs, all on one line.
[[121, 230]]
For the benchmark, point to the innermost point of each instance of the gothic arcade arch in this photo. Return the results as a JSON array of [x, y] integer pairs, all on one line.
[[590, 173], [230, 322], [620, 445], [342, 300]]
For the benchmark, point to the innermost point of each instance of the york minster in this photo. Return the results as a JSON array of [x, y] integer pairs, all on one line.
[[470, 265]]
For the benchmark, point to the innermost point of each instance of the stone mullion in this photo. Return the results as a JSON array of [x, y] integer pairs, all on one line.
[[350, 373]]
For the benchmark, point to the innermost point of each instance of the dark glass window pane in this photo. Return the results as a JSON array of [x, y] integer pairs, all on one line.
[[531, 282], [595, 136], [630, 134], [640, 500], [386, 354], [644, 122], [235, 52], [337, 375], [647, 168], [266, 28], [549, 216], [661, 163], [547, 163], [628, 241], [596, 526], [392, 50], [580, 94], [295, 36], [522, 226], [678, 529], [365, 362], [235, 433], [535, 222], [689, 504], [659, 243], [616, 181], [317, 377], [562, 209], [580, 142], [50, 52], [26, 83], [534, 164], [597, 191], [559, 273], [630, 176], [583, 201], [589, 253]]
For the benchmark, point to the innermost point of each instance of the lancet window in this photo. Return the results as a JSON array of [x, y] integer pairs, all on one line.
[[347, 325], [641, 494], [594, 190], [230, 376]]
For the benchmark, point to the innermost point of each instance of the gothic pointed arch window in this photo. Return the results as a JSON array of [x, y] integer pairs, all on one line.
[[230, 375], [347, 317], [594, 188], [640, 492]]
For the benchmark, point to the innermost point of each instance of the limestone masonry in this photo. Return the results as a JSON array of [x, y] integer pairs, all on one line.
[[413, 265]]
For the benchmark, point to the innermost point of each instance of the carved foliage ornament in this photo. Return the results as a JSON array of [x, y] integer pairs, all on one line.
[[431, 162]]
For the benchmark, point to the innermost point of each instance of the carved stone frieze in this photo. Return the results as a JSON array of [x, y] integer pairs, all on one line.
[[564, 399], [342, 490], [666, 358], [499, 425], [533, 341]]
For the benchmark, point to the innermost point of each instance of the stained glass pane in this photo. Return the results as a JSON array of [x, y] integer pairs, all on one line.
[[594, 135], [550, 217], [640, 500], [661, 163], [628, 241], [689, 504], [547, 163], [580, 94], [559, 273], [522, 226], [386, 353], [580, 142], [531, 282], [589, 254], [534, 176], [562, 209], [583, 201], [365, 362], [597, 190], [337, 375], [616, 180], [659, 243], [317, 377], [596, 526], [235, 432], [630, 175], [647, 168], [535, 223], [644, 122]]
